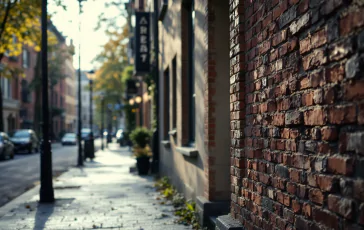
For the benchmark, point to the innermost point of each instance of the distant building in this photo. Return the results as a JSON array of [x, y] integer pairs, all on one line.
[[70, 93]]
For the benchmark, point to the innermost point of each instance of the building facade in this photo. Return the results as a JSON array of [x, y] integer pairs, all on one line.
[[10, 94], [71, 100], [261, 110]]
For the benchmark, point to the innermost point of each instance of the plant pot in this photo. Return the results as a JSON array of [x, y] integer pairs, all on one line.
[[143, 165]]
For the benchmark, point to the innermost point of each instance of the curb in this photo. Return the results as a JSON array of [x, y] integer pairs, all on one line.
[[23, 198]]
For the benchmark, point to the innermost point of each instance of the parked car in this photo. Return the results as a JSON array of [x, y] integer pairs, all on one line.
[[85, 132], [25, 140], [6, 147], [120, 138], [69, 139]]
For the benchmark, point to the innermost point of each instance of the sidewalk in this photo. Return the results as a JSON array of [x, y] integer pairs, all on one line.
[[102, 195]]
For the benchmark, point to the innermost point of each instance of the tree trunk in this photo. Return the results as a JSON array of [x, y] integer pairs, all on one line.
[[38, 96]]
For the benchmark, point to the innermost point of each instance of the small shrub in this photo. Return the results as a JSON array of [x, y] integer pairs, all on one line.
[[142, 152], [140, 136]]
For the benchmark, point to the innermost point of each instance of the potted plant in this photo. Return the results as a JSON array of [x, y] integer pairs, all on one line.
[[143, 159], [141, 138]]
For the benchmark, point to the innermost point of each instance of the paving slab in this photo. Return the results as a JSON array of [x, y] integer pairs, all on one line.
[[101, 195]]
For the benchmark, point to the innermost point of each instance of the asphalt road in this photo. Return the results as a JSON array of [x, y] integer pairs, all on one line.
[[23, 172]]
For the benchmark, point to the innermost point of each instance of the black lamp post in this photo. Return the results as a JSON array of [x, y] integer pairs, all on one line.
[[102, 120], [46, 183], [90, 141], [79, 137]]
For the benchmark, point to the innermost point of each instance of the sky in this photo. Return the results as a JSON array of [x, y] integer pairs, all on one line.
[[91, 41]]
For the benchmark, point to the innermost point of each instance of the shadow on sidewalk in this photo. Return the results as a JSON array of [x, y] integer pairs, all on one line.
[[45, 211]]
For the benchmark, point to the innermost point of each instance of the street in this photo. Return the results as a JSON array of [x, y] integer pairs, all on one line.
[[23, 172]]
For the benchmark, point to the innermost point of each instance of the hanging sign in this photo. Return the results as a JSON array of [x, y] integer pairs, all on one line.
[[142, 42]]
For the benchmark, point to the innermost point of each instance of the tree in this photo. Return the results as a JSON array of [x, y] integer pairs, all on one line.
[[109, 77], [19, 26], [58, 53]]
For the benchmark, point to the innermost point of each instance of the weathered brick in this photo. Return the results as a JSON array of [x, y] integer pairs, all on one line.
[[316, 196], [354, 90], [293, 118], [329, 6], [356, 142], [340, 205], [342, 115], [329, 133], [295, 27], [288, 16], [340, 49], [351, 21], [354, 66], [315, 117], [326, 218], [340, 165], [315, 59]]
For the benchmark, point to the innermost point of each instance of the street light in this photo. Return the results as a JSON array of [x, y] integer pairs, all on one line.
[[46, 192], [79, 137], [131, 101], [89, 144], [102, 96]]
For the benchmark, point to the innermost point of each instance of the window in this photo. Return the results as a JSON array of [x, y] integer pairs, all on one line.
[[174, 93], [26, 58], [6, 88], [189, 14], [166, 104]]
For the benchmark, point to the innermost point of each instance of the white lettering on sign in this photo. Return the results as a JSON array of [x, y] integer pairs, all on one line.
[[143, 39], [143, 21], [143, 49], [143, 30], [144, 57]]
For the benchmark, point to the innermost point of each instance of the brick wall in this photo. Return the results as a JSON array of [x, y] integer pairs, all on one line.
[[297, 113]]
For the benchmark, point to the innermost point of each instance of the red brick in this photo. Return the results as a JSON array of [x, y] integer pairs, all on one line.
[[280, 37], [316, 196], [335, 74], [326, 183], [342, 115], [314, 59], [296, 206], [354, 90], [278, 119], [329, 95], [307, 210], [303, 6], [358, 189], [291, 188], [329, 133], [307, 99], [326, 218], [340, 205], [340, 165], [351, 21], [361, 114], [315, 117]]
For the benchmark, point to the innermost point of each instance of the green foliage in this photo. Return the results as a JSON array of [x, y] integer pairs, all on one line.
[[185, 210], [140, 137], [187, 214], [142, 152]]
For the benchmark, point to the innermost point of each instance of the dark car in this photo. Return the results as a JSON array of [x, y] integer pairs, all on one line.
[[6, 147], [120, 137], [69, 139], [25, 140], [85, 132]]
